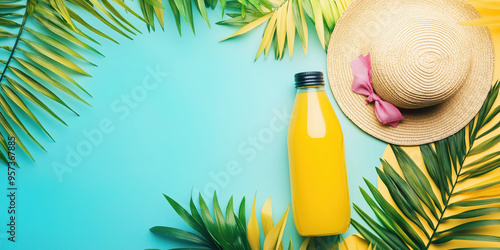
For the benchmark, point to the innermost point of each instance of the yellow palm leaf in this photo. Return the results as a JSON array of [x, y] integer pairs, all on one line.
[[338, 10], [253, 233], [276, 2], [304, 27], [341, 5], [268, 47], [268, 35], [353, 242], [490, 13], [159, 14], [280, 247], [279, 243], [318, 21], [328, 12], [273, 239], [484, 4], [305, 243], [266, 215], [288, 17], [290, 29], [281, 28], [249, 26]]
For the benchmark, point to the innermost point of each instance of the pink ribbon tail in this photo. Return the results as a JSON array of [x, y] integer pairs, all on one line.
[[362, 84]]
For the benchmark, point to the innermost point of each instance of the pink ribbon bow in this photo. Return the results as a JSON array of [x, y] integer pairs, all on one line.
[[362, 71]]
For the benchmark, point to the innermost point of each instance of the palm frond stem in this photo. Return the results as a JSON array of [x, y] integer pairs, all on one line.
[[18, 38], [451, 192], [445, 207]]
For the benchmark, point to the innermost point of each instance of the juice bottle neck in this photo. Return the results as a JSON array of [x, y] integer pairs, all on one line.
[[310, 88]]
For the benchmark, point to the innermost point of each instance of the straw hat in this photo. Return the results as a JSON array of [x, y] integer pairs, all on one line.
[[434, 70]]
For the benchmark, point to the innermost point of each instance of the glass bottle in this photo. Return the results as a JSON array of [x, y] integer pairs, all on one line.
[[318, 178]]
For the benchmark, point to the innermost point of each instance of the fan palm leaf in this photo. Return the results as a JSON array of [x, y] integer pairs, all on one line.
[[41, 62], [456, 173]]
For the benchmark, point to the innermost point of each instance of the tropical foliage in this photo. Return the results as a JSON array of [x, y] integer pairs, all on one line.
[[232, 231], [283, 18], [43, 41], [490, 12], [456, 173], [43, 58], [355, 242]]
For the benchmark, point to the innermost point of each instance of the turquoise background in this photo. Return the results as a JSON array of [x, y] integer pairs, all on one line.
[[210, 99]]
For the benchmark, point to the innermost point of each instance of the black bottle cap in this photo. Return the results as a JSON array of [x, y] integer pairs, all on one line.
[[309, 78]]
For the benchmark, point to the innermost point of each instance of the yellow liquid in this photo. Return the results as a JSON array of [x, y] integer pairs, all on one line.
[[320, 196]]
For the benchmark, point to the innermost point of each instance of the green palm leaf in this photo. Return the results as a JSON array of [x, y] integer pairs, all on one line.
[[43, 53], [283, 18], [416, 199], [215, 232], [40, 54], [287, 18], [230, 231]]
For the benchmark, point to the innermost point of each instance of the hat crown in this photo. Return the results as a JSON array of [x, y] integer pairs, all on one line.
[[419, 62]]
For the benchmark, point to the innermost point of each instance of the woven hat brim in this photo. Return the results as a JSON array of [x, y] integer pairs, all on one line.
[[420, 126]]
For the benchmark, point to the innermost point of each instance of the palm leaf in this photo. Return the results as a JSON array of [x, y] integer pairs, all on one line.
[[41, 57], [291, 18], [214, 232], [253, 233], [447, 165], [283, 18], [288, 17], [232, 231], [489, 10]]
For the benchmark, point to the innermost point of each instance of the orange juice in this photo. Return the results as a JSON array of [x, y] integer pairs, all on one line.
[[318, 178]]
